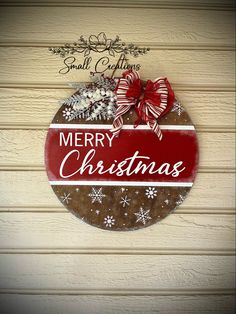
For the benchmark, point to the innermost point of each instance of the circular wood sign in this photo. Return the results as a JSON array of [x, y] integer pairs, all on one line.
[[126, 182]]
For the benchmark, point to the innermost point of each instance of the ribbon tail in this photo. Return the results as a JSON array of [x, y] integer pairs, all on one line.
[[152, 122], [155, 128], [118, 121], [154, 111], [123, 102]]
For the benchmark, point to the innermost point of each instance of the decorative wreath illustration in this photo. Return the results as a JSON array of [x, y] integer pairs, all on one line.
[[99, 43]]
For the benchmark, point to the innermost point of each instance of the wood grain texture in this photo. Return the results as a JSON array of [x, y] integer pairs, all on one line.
[[63, 231], [28, 304], [38, 65], [25, 149], [35, 108], [32, 189], [45, 24], [65, 271]]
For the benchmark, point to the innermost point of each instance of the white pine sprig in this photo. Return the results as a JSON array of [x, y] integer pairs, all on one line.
[[101, 111], [76, 85], [94, 101], [72, 100], [103, 82], [83, 114]]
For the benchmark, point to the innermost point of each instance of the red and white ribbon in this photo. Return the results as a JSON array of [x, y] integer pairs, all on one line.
[[151, 102], [124, 104]]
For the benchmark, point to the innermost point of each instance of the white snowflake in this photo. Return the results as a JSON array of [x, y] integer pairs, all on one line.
[[180, 200], [97, 212], [151, 192], [166, 201], [109, 221], [143, 215], [177, 108], [125, 201], [65, 198], [67, 113], [96, 195]]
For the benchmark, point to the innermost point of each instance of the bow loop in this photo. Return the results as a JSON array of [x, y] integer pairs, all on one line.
[[135, 89], [151, 102]]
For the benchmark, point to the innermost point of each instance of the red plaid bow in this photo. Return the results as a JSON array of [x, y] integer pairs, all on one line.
[[151, 102]]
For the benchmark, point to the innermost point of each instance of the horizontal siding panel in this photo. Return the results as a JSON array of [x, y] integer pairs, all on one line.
[[211, 4], [83, 304], [188, 232], [40, 24], [37, 66], [36, 107], [116, 272], [32, 189], [25, 148]]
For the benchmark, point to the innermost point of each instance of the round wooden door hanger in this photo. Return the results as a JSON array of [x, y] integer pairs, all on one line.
[[121, 154]]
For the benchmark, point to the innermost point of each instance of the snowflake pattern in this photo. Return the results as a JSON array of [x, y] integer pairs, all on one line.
[[180, 200], [65, 198], [142, 216], [125, 201], [177, 108], [67, 113], [151, 192], [109, 221], [96, 195]]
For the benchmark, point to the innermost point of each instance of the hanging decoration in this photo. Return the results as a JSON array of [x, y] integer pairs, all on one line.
[[121, 153]]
